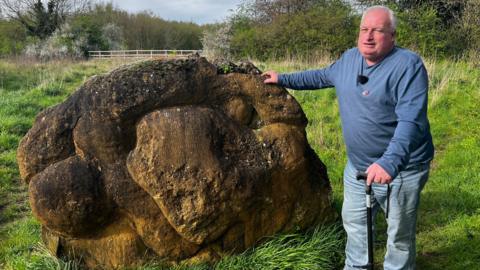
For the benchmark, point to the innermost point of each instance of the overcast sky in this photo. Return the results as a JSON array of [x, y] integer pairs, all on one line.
[[197, 11]]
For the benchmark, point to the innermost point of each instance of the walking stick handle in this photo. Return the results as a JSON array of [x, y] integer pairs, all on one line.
[[361, 175]]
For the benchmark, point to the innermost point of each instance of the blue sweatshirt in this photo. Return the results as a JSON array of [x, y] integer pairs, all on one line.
[[384, 119]]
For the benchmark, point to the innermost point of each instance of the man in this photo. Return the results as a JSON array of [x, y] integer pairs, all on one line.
[[382, 95]]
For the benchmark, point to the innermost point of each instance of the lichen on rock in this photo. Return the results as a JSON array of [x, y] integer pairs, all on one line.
[[171, 159]]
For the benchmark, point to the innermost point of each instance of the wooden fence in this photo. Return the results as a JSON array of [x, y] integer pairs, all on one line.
[[142, 53]]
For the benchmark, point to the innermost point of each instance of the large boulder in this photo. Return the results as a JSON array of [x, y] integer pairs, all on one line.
[[177, 160]]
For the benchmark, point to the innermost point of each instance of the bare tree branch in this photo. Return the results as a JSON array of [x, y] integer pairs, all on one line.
[[264, 11], [42, 18], [18, 8]]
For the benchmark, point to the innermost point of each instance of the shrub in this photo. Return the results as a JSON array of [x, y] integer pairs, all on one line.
[[216, 41], [318, 27], [75, 40]]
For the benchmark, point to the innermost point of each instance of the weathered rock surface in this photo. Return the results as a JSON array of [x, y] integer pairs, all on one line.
[[171, 160]]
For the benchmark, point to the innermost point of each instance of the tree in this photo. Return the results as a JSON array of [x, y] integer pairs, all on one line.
[[216, 41], [432, 27], [448, 11], [471, 27], [38, 20], [145, 30], [12, 38], [266, 29], [264, 11]]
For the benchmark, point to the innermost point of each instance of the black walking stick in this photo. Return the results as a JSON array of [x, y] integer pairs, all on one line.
[[368, 192]]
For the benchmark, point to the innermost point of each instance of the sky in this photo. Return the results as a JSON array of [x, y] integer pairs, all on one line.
[[197, 11]]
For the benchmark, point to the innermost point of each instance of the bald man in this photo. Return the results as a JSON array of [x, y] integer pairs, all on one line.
[[382, 95]]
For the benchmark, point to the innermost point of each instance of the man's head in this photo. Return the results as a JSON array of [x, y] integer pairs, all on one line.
[[377, 33]]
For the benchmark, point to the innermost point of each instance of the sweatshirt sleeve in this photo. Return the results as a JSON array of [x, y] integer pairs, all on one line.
[[411, 111], [310, 79]]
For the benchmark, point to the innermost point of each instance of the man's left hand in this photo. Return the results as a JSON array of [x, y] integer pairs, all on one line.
[[375, 173]]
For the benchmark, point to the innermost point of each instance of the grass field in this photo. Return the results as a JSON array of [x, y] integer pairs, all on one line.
[[449, 219]]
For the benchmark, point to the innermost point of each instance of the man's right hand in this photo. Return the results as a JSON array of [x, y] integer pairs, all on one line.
[[270, 77]]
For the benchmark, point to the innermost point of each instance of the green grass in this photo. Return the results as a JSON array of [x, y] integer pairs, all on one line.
[[448, 233], [449, 227], [317, 249], [26, 88]]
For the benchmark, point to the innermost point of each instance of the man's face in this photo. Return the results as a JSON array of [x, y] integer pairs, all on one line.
[[376, 38]]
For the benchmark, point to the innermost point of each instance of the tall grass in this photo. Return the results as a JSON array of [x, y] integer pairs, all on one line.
[[26, 88], [317, 249], [449, 217], [449, 227], [21, 249]]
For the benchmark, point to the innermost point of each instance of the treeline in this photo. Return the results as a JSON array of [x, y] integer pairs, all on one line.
[[259, 29], [266, 29], [147, 31], [56, 29]]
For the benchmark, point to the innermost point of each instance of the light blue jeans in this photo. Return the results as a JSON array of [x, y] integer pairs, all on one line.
[[402, 217]]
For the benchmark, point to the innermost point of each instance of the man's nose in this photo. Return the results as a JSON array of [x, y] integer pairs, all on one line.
[[370, 34]]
